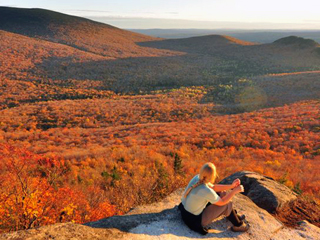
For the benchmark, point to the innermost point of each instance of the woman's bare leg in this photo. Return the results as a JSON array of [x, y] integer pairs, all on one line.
[[212, 211]]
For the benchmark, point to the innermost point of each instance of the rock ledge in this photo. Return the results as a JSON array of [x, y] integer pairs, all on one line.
[[162, 221]]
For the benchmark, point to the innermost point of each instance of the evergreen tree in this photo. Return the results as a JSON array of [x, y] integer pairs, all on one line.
[[177, 164]]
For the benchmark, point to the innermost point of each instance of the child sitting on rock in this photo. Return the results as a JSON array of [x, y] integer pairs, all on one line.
[[201, 204]]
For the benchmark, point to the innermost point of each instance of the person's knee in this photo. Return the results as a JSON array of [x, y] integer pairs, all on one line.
[[229, 209]]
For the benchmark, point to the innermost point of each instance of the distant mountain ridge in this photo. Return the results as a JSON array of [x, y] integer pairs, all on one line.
[[35, 21], [59, 48], [298, 41], [259, 36], [77, 32]]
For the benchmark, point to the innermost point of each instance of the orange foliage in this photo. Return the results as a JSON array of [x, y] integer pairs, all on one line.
[[73, 150], [100, 157], [33, 193]]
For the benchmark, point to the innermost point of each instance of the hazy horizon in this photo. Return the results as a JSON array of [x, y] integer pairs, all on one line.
[[158, 23], [203, 14]]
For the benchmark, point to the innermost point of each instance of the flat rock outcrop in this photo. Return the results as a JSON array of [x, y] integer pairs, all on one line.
[[162, 221]]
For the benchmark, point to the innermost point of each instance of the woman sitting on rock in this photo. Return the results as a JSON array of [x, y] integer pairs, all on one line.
[[201, 204]]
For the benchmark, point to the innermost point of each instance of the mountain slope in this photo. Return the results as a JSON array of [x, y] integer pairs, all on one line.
[[20, 55], [123, 61], [76, 32], [203, 44]]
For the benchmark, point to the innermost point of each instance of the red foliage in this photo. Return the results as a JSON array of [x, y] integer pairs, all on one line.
[[33, 193], [101, 156]]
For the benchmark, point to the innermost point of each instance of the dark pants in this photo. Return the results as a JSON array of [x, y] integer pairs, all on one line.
[[192, 221], [199, 222]]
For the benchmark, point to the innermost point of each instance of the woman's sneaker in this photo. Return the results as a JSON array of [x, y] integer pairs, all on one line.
[[242, 228]]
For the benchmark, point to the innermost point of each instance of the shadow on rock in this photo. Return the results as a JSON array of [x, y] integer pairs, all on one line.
[[165, 223]]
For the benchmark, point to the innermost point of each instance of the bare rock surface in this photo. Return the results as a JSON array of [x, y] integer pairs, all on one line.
[[63, 231], [162, 221], [263, 191]]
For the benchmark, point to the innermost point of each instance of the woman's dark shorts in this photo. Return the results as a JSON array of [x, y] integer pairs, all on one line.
[[192, 221]]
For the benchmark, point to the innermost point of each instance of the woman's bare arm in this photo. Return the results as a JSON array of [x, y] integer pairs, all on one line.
[[227, 198], [222, 187], [225, 187]]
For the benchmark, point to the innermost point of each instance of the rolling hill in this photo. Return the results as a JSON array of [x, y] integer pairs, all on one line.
[[44, 46], [76, 32], [297, 42], [20, 55], [258, 36]]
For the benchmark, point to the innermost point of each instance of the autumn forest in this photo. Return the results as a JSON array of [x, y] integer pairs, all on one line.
[[95, 120]]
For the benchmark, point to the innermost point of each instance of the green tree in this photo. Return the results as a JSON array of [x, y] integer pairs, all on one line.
[[177, 164]]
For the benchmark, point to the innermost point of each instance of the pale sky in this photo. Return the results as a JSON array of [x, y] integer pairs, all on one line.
[[303, 14]]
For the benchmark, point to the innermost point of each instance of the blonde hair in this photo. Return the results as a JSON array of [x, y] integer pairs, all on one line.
[[207, 174]]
